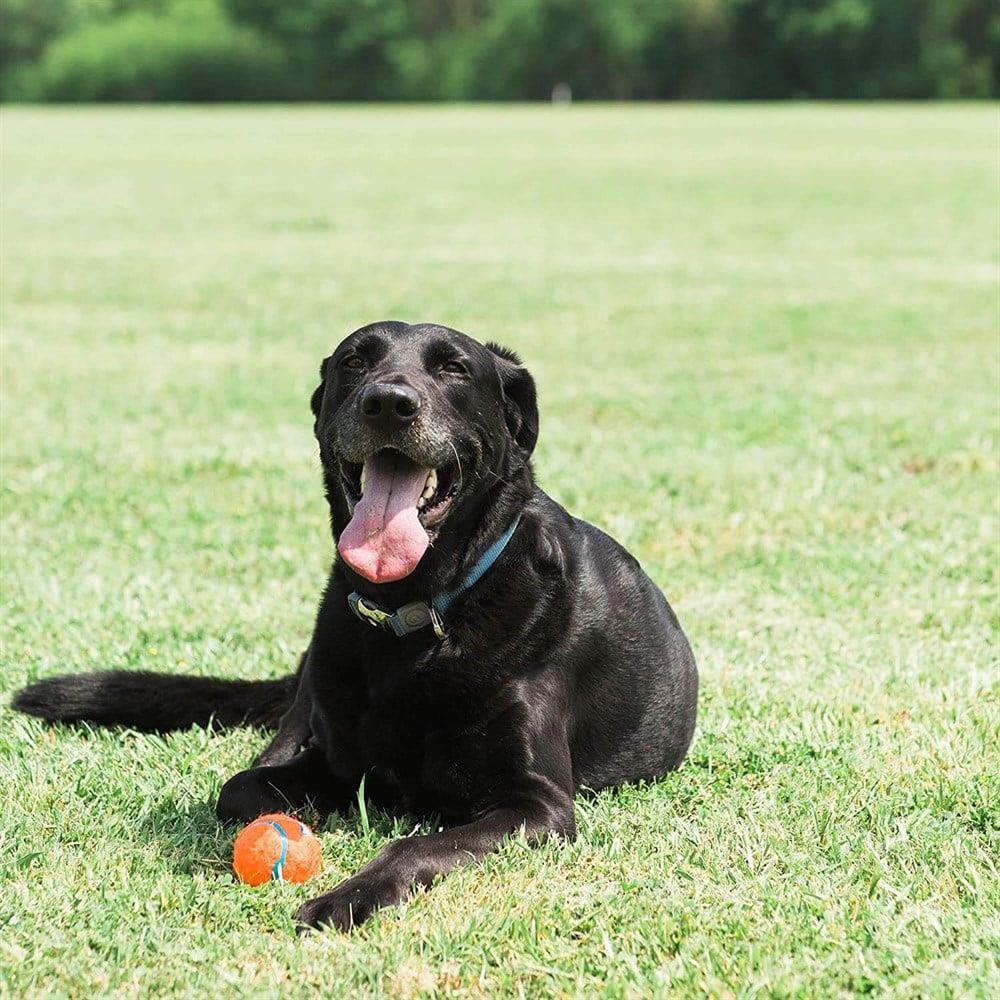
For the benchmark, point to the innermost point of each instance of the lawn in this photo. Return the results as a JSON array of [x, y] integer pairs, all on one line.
[[766, 342]]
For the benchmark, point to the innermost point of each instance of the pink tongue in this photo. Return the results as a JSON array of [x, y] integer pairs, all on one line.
[[385, 540]]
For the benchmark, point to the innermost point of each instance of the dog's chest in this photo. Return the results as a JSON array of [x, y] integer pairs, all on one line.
[[430, 745]]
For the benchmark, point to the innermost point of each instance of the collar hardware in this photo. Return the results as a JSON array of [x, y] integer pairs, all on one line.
[[418, 615], [375, 617], [437, 623]]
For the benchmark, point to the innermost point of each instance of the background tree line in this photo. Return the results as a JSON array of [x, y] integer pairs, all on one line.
[[203, 50]]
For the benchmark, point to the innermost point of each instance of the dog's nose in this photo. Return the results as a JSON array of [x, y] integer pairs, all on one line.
[[389, 405]]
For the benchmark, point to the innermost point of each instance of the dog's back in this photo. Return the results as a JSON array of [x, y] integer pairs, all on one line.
[[636, 683]]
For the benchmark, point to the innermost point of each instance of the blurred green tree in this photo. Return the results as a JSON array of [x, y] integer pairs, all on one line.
[[500, 49], [184, 50], [337, 49]]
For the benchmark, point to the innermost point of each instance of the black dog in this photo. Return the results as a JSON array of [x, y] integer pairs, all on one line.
[[478, 653]]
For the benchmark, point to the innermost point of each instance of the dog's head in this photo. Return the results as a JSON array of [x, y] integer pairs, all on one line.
[[425, 437]]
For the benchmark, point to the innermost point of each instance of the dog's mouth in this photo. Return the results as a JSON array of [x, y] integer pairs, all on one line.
[[396, 506], [439, 487]]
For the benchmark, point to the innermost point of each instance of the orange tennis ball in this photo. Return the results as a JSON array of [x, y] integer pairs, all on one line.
[[276, 848]]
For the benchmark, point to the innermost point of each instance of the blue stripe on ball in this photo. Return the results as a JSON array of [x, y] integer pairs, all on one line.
[[279, 865]]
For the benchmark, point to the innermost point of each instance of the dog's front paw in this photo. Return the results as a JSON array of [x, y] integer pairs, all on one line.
[[247, 795], [349, 905]]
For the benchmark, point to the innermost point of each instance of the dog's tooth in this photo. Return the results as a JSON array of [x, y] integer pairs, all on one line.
[[364, 476], [432, 480]]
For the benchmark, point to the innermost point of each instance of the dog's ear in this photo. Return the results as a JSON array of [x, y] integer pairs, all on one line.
[[519, 398], [316, 402]]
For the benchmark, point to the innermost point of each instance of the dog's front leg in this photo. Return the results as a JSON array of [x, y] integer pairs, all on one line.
[[305, 781], [417, 861], [294, 730]]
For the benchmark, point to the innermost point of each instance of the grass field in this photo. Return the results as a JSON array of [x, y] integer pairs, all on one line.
[[766, 346]]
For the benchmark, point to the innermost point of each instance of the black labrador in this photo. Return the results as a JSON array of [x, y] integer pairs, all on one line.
[[478, 653]]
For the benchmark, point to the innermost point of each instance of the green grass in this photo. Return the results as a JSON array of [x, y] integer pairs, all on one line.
[[766, 345]]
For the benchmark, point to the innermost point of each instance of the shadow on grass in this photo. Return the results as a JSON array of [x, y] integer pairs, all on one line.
[[190, 838], [187, 834]]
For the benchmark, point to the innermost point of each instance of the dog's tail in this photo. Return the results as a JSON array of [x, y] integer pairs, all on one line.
[[157, 703]]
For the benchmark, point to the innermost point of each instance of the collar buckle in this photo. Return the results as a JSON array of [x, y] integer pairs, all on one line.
[[374, 616], [409, 618]]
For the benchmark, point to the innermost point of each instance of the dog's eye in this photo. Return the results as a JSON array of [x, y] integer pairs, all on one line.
[[353, 362], [453, 368]]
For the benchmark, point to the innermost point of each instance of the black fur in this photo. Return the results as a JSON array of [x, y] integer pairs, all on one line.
[[563, 668], [156, 703]]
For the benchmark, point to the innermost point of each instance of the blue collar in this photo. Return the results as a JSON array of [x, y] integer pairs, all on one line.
[[418, 614]]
